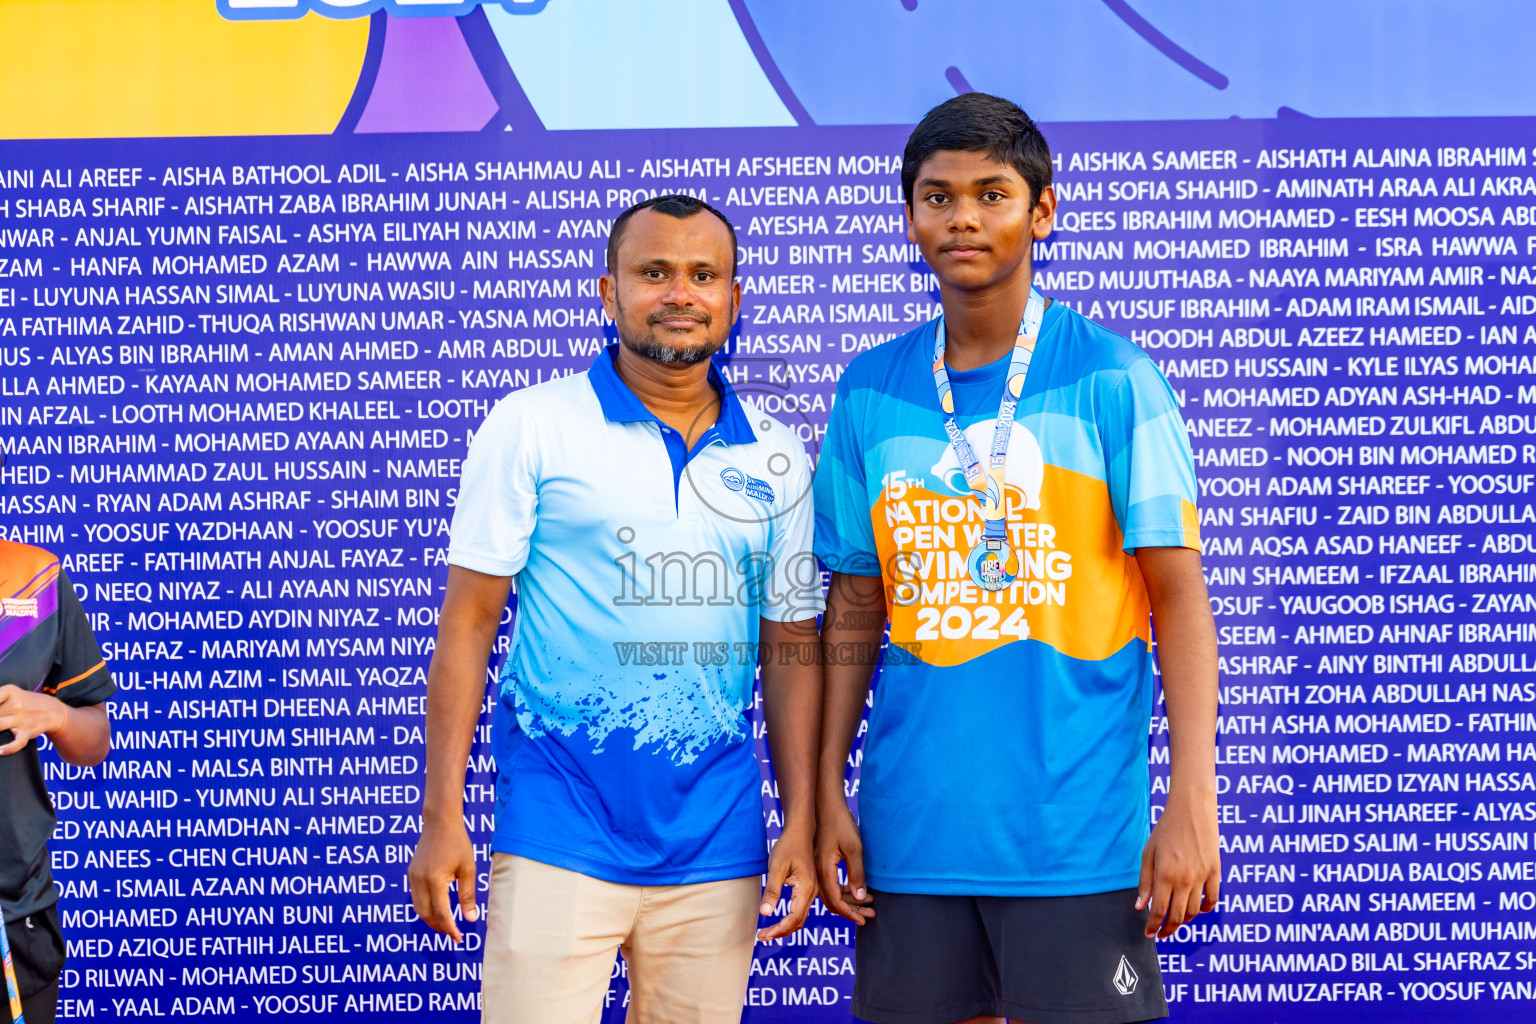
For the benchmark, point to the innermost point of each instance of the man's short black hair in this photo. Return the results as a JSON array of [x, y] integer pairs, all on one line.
[[680, 206], [975, 122]]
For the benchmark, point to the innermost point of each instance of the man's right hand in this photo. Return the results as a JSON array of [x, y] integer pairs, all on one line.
[[837, 841], [443, 855], [466, 630]]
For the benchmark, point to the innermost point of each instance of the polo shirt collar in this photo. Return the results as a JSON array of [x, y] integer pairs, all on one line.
[[620, 405]]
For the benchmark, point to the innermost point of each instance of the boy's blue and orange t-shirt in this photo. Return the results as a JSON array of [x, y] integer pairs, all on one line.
[[1007, 745]]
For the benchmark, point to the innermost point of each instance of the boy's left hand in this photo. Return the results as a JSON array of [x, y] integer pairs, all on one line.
[[1181, 865]]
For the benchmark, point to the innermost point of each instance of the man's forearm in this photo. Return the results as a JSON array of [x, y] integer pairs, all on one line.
[[455, 688], [850, 638], [456, 685], [792, 712]]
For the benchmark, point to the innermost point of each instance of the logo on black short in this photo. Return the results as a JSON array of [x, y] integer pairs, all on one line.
[[1125, 977]]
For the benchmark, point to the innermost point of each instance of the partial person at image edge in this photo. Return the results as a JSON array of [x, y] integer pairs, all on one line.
[[53, 682]]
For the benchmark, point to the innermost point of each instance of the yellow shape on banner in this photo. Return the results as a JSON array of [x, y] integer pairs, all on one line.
[[134, 68]]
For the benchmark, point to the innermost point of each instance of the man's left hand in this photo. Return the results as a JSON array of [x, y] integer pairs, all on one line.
[[792, 863]]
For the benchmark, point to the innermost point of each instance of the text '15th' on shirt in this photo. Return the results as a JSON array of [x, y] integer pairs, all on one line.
[[642, 568], [1007, 745], [46, 645]]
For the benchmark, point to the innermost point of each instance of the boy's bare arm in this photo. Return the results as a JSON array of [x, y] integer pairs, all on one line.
[[1181, 865], [851, 629]]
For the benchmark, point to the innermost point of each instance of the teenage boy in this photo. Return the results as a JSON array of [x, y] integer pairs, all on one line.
[[1013, 485], [657, 530], [53, 682]]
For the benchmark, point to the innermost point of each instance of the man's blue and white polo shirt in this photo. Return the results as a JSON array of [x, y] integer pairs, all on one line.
[[621, 737]]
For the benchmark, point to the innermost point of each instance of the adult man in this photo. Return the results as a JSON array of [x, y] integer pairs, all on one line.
[[1014, 484], [657, 530], [54, 683]]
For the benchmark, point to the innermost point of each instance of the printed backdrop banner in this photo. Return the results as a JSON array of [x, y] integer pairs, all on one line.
[[265, 268]]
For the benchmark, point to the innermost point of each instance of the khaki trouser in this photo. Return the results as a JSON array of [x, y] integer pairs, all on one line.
[[551, 935]]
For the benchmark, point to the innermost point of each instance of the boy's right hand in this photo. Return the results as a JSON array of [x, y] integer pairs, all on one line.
[[443, 855], [837, 841]]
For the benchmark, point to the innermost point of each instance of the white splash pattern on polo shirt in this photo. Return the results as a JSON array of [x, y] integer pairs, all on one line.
[[677, 713]]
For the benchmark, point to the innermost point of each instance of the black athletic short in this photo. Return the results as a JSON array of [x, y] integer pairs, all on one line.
[[37, 951], [1040, 959]]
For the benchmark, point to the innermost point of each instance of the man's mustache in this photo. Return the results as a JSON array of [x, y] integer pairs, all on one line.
[[658, 317]]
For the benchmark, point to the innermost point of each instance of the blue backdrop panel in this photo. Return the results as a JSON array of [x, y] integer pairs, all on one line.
[[239, 376]]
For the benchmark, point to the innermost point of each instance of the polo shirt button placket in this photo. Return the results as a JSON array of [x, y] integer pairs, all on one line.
[[687, 497]]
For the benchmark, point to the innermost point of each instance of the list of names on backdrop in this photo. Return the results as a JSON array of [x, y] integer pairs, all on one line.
[[238, 380]]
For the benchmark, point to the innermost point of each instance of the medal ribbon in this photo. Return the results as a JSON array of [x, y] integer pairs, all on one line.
[[12, 992], [987, 486]]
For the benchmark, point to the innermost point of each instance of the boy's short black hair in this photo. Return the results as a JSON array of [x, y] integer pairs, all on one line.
[[975, 122], [676, 205]]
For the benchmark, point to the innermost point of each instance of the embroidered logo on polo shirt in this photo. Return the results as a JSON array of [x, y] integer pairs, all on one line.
[[733, 478], [759, 489], [24, 607], [1125, 977]]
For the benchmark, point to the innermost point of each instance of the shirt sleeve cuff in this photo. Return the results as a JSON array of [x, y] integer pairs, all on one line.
[[1160, 537], [478, 562], [92, 689], [797, 612], [850, 563]]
